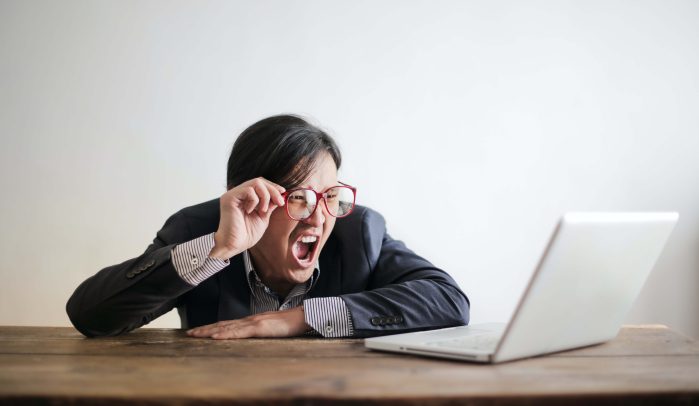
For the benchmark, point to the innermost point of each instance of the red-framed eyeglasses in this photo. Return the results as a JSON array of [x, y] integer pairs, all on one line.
[[301, 203]]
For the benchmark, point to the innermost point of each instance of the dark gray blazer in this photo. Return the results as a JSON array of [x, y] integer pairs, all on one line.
[[387, 288]]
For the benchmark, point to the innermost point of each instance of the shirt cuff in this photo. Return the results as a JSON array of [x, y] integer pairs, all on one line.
[[192, 262], [329, 316]]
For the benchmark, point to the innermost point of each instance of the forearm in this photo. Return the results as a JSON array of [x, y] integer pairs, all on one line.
[[126, 296], [408, 306]]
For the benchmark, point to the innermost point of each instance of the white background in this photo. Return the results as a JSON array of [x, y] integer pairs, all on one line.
[[472, 126]]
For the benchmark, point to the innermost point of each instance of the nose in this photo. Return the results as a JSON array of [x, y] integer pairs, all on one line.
[[318, 217]]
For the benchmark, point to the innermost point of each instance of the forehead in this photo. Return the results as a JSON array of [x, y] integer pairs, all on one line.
[[323, 175]]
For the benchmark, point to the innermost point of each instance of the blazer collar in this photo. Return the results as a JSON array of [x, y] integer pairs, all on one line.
[[329, 283], [234, 299]]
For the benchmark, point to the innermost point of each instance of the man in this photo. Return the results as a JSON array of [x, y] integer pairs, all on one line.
[[268, 259]]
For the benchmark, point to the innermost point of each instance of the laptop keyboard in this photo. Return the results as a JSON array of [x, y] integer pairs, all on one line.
[[474, 342]]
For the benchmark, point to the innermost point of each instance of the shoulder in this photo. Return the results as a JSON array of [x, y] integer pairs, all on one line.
[[361, 220], [362, 231], [199, 219], [203, 211]]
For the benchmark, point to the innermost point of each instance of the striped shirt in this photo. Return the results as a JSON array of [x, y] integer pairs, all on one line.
[[328, 316], [264, 299]]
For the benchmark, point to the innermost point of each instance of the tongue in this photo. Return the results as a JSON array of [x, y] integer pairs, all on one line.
[[300, 250]]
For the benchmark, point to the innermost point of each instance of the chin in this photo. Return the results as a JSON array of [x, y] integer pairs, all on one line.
[[300, 275]]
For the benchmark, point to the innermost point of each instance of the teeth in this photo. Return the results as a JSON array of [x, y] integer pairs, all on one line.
[[309, 239]]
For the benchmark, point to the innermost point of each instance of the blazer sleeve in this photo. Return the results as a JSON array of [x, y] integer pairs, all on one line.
[[126, 296], [405, 292]]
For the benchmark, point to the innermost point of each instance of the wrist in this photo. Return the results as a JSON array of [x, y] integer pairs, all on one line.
[[221, 253], [301, 320]]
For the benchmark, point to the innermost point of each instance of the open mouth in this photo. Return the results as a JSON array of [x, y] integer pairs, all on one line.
[[304, 249]]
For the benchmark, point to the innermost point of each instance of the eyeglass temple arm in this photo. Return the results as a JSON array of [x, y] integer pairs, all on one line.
[[349, 186]]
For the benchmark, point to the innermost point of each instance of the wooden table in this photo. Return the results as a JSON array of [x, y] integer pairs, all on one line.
[[58, 366]]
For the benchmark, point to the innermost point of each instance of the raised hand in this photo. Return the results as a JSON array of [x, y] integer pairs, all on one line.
[[245, 212]]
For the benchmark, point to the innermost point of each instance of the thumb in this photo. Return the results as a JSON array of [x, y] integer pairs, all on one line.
[[266, 215]]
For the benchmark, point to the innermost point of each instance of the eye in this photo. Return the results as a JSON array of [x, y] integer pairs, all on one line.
[[297, 197]]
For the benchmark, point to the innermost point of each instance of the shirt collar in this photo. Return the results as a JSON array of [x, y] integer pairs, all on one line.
[[252, 277]]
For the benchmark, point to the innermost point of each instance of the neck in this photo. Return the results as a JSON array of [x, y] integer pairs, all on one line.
[[279, 286]]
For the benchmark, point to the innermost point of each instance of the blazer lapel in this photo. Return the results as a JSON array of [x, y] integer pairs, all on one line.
[[330, 279], [234, 299]]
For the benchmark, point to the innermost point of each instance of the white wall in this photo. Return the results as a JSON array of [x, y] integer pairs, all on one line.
[[116, 114]]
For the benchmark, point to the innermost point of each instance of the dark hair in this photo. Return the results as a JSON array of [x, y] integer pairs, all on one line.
[[283, 149]]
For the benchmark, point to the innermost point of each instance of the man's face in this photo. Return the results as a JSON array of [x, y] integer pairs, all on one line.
[[280, 257]]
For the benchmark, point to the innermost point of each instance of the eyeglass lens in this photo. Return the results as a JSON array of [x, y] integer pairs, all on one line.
[[302, 202]]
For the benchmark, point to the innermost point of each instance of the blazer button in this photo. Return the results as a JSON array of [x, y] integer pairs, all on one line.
[[383, 321], [147, 265], [376, 321], [130, 275], [399, 319]]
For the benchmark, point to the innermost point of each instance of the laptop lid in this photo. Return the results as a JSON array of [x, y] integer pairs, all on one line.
[[588, 278]]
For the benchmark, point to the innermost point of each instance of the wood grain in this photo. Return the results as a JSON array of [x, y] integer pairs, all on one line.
[[153, 367]]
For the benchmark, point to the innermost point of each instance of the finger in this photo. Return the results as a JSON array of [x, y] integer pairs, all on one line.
[[275, 192], [203, 332], [263, 194], [199, 329], [240, 331], [251, 200], [276, 195], [275, 186], [207, 330]]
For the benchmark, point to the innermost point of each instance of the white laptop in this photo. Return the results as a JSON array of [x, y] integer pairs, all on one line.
[[587, 279]]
